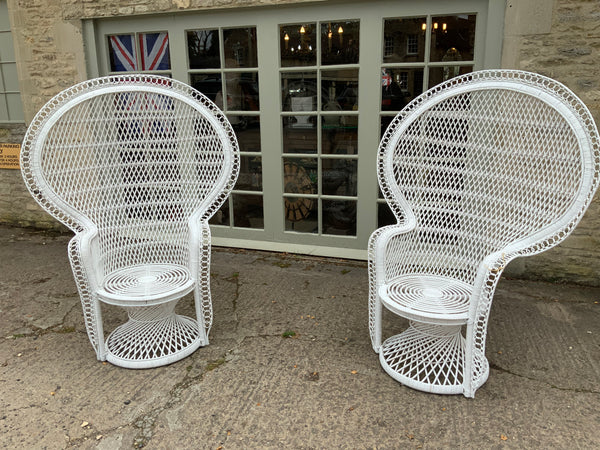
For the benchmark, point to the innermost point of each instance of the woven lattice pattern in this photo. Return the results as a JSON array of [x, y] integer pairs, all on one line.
[[135, 165], [164, 334], [427, 297], [410, 354], [479, 170], [146, 282]]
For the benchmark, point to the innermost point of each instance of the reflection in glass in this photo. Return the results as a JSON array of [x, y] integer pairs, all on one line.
[[339, 135], [300, 214], [239, 46], [242, 92], [298, 138], [385, 123], [339, 42], [440, 74], [221, 217], [300, 175], [8, 75], [248, 211], [339, 176], [203, 49], [404, 40], [154, 51], [384, 215], [340, 90], [207, 83], [121, 52], [15, 107], [298, 44], [399, 86], [247, 130], [339, 217], [250, 177], [299, 91], [453, 38]]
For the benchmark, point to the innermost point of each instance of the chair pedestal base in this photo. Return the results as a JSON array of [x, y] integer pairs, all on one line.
[[153, 336], [426, 357]]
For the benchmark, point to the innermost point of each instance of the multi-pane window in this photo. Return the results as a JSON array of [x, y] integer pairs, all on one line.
[[437, 48], [388, 46], [319, 119], [223, 65], [412, 44], [11, 108]]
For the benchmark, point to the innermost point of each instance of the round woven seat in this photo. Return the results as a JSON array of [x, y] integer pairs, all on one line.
[[150, 284], [428, 298]]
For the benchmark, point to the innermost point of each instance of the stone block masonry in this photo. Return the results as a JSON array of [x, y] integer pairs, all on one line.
[[17, 207]]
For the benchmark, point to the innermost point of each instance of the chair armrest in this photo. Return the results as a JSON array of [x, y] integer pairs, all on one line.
[[382, 242], [493, 265], [199, 232], [84, 254]]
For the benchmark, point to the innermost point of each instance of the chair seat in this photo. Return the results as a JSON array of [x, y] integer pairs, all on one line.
[[149, 284], [428, 298]]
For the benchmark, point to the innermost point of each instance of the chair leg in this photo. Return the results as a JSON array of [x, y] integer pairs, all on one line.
[[99, 330], [201, 300], [477, 366], [153, 336], [202, 295], [426, 357], [376, 315]]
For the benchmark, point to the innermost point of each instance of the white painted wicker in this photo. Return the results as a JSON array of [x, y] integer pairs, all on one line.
[[478, 170], [135, 165]]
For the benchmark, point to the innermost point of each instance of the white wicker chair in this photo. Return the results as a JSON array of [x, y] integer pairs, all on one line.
[[478, 170], [135, 165]]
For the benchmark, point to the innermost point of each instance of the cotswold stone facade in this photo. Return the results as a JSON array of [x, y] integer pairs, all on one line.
[[557, 38]]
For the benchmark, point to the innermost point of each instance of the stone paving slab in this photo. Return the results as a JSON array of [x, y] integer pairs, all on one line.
[[289, 365]]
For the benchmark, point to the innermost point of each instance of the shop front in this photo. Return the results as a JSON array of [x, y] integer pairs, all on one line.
[[309, 91]]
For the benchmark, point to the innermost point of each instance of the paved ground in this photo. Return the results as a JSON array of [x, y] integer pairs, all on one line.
[[253, 388]]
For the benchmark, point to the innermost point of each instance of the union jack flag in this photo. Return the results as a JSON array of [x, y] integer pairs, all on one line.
[[122, 53], [154, 51]]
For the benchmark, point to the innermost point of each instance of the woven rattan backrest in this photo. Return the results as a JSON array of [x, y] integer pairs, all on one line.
[[486, 161], [135, 157]]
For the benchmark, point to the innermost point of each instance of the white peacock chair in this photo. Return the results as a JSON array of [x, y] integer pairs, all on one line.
[[135, 165], [478, 170]]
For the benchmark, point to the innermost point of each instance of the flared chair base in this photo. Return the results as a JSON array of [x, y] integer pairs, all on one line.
[[426, 357], [152, 337]]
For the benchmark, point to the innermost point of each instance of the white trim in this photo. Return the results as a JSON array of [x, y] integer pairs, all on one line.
[[312, 250]]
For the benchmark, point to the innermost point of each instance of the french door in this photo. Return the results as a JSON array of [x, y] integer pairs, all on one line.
[[308, 91]]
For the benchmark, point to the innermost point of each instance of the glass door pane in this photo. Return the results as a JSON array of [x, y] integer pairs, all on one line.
[[419, 53], [140, 52], [223, 65], [319, 118]]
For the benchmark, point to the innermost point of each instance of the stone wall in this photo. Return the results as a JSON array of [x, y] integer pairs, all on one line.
[[560, 39], [16, 205], [557, 38], [49, 54]]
